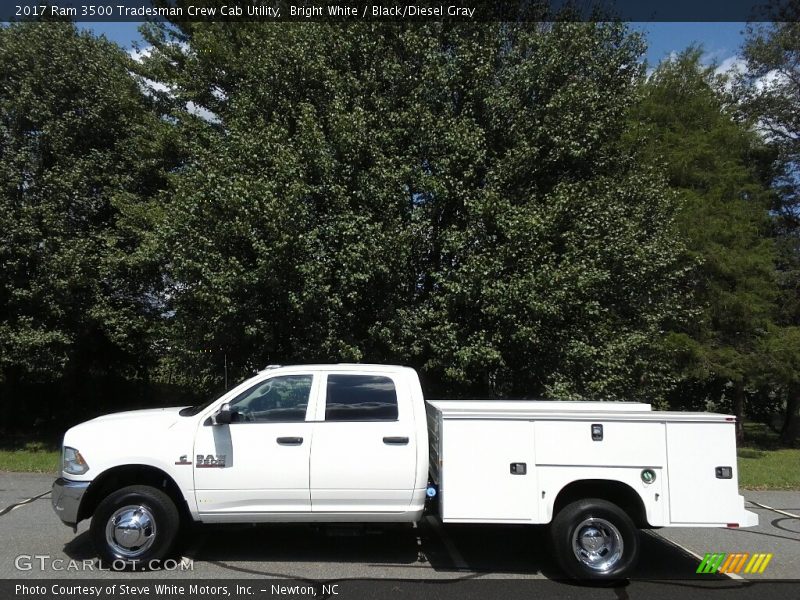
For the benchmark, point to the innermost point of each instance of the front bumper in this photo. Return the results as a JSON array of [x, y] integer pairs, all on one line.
[[66, 498]]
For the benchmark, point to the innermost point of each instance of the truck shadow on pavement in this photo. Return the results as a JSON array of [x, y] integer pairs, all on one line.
[[452, 551]]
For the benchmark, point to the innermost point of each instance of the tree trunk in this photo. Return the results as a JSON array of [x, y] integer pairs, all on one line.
[[791, 425], [738, 409]]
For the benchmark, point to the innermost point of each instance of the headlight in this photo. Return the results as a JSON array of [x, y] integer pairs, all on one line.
[[73, 462]]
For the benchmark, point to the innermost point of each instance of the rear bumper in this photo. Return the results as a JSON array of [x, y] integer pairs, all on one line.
[[746, 518], [749, 519], [66, 499]]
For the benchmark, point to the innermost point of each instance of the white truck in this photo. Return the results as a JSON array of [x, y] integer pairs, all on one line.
[[359, 443]]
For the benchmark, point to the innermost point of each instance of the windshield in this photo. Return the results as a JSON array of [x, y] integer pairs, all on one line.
[[191, 411]]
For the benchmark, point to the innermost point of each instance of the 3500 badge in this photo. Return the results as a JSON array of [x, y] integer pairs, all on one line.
[[210, 461]]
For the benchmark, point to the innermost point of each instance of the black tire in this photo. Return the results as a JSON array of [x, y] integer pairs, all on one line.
[[616, 550], [153, 521]]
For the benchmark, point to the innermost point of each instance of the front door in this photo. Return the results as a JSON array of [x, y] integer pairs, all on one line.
[[259, 462]]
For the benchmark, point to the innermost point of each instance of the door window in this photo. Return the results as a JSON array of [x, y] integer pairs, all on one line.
[[276, 400], [360, 398]]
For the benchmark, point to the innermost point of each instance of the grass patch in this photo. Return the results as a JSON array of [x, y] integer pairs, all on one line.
[[769, 469], [764, 464], [32, 457]]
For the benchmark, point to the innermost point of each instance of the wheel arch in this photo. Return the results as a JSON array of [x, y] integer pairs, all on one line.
[[611, 490], [121, 476]]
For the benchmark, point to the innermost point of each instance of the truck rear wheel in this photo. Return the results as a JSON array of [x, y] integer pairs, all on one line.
[[135, 527], [595, 539]]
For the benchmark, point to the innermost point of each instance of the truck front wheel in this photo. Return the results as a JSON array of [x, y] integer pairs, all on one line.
[[595, 539], [135, 527]]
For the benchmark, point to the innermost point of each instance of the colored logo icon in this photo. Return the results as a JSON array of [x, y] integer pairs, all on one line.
[[735, 562]]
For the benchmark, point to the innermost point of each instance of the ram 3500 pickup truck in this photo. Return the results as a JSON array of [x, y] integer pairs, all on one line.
[[359, 443]]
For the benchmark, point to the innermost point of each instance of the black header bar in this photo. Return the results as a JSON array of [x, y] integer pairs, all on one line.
[[402, 11]]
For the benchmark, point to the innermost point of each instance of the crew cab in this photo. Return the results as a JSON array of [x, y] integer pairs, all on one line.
[[359, 443]]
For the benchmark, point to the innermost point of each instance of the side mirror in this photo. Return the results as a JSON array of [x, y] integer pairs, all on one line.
[[224, 416]]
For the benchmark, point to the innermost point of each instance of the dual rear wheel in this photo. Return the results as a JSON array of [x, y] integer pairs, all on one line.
[[595, 539]]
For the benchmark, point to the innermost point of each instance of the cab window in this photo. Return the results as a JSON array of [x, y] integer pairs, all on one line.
[[275, 400], [360, 398]]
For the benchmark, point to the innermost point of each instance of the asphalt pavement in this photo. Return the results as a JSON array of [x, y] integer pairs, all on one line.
[[35, 544]]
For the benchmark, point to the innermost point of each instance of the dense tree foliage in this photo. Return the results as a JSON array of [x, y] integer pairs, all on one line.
[[718, 168], [78, 162], [769, 93], [458, 199], [513, 209]]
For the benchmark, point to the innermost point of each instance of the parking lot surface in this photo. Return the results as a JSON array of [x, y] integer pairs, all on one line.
[[430, 551]]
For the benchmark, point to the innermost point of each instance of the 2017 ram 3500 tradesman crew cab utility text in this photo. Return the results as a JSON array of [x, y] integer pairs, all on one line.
[[358, 443]]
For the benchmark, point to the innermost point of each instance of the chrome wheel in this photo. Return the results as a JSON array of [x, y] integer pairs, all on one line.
[[597, 543], [131, 530]]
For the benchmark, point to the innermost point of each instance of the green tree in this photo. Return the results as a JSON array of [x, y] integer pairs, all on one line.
[[717, 167], [458, 198], [769, 93], [80, 155]]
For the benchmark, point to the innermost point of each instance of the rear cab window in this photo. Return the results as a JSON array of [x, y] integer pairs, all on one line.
[[360, 398]]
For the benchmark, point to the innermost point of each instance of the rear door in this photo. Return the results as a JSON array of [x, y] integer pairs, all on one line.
[[364, 451]]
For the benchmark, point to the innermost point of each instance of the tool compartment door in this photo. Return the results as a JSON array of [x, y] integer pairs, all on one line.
[[696, 492], [477, 482]]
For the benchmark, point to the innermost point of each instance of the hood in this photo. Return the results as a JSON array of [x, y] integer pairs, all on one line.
[[136, 423], [132, 437], [166, 415]]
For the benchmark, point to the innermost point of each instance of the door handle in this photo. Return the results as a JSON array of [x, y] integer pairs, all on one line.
[[395, 441], [290, 441]]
